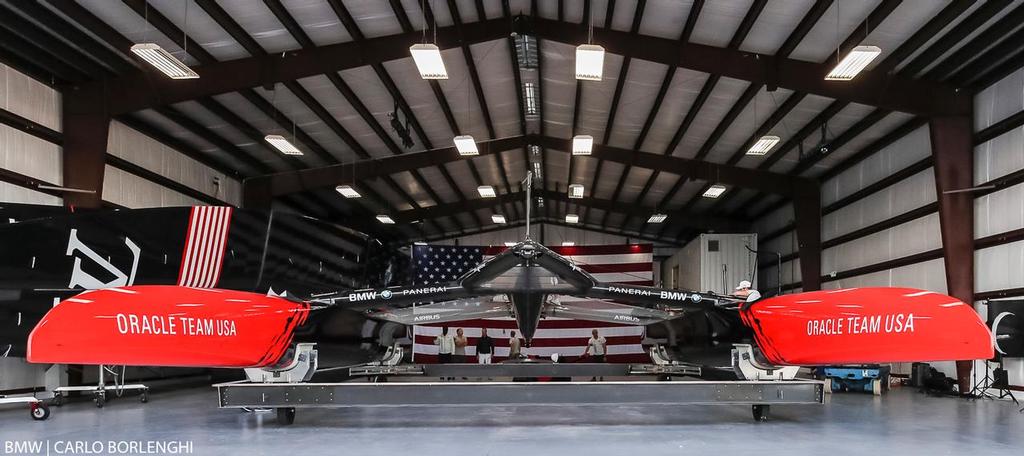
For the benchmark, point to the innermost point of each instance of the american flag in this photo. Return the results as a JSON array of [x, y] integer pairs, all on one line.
[[628, 264]]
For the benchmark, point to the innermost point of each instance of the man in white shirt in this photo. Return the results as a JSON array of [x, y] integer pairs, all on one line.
[[743, 290], [445, 346], [514, 346], [598, 345]]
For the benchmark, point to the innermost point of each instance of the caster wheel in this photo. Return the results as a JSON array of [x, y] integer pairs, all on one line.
[[286, 415], [57, 400], [760, 412], [100, 401], [40, 411], [876, 387], [828, 385], [144, 398]]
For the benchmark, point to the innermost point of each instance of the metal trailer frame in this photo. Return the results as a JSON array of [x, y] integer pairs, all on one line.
[[36, 407], [287, 397]]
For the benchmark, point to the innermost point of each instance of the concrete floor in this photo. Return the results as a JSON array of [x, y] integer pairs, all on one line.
[[902, 422]]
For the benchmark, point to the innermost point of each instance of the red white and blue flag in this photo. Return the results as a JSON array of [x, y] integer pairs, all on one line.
[[626, 264]]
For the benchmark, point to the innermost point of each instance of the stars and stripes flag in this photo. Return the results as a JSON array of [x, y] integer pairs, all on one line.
[[203, 257], [626, 264]]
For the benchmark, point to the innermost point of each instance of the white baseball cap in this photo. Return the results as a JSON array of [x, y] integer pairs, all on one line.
[[743, 284]]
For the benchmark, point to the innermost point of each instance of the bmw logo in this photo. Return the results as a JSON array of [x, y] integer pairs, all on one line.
[[696, 297], [386, 294]]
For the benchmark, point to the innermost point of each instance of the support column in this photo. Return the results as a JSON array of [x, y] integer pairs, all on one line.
[[85, 130], [953, 152], [807, 209]]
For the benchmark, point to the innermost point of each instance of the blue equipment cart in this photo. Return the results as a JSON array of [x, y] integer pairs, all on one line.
[[872, 379]]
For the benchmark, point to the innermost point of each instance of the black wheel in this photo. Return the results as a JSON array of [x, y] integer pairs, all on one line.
[[58, 400], [285, 415], [100, 400], [761, 412], [144, 397], [40, 411]]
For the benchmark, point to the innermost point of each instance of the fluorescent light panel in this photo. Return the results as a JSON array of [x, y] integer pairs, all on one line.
[[530, 98], [280, 143], [715, 191], [387, 220], [509, 244], [576, 191], [486, 191], [428, 61], [763, 145], [568, 244], [498, 218], [347, 191], [589, 62], [657, 218], [466, 145], [572, 218], [582, 144], [162, 60], [854, 62]]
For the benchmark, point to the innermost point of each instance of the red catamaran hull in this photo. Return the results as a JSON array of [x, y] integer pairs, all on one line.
[[167, 326], [867, 325]]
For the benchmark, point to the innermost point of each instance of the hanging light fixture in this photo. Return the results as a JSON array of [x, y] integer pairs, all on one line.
[[855, 61], [714, 191], [486, 191], [498, 218], [576, 191], [428, 61], [572, 218], [568, 243], [162, 60], [589, 57], [763, 145], [582, 144], [387, 220], [282, 144], [159, 58], [427, 55], [657, 218], [347, 191]]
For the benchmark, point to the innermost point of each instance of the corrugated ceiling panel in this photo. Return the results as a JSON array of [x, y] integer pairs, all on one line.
[[461, 97], [659, 189], [335, 103], [774, 25], [711, 113], [375, 18], [260, 23], [494, 66], [718, 21], [638, 93], [820, 43], [372, 93], [604, 185], [753, 115], [559, 87], [681, 92], [799, 116], [880, 129], [597, 98], [665, 18], [634, 183], [318, 21]]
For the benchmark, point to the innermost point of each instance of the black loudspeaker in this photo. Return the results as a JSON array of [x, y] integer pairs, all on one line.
[[1000, 379], [1006, 319]]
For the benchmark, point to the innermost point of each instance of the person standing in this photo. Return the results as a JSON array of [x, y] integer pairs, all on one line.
[[598, 345], [445, 346], [515, 345], [484, 347], [460, 346], [744, 290]]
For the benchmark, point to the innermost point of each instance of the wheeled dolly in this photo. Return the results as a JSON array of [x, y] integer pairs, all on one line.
[[99, 392], [37, 408]]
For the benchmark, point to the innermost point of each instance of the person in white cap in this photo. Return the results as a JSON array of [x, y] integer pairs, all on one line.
[[743, 290]]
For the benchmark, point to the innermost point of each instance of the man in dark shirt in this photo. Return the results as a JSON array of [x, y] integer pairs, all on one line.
[[484, 347]]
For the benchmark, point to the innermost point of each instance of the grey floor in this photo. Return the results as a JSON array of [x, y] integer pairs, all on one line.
[[902, 422]]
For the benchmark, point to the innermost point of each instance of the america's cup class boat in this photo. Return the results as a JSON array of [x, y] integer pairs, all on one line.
[[195, 321]]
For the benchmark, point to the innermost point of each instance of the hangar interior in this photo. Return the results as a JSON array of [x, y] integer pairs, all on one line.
[[707, 120]]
